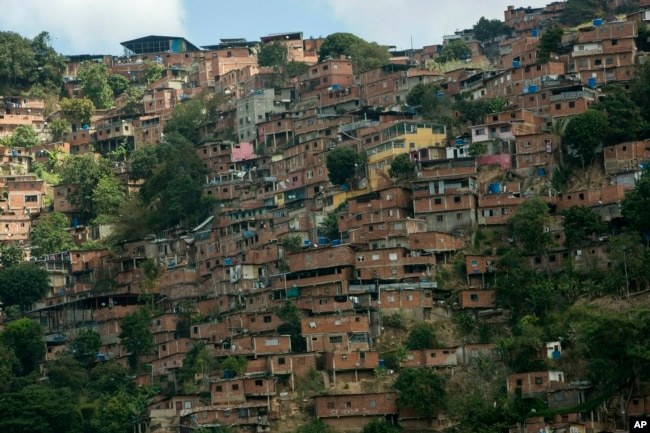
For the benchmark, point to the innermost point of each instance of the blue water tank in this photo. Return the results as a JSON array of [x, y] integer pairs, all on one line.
[[344, 187], [598, 22], [227, 374], [460, 141], [248, 233], [591, 82], [542, 172], [526, 90], [515, 63], [556, 354], [440, 95], [228, 262], [382, 363], [336, 86], [494, 188], [535, 33], [307, 243], [323, 241], [336, 242], [532, 88]]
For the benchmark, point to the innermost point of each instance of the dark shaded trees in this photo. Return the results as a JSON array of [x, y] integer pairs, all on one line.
[[22, 285], [421, 389], [624, 120], [173, 190], [342, 163], [584, 135], [486, 30], [273, 54], [36, 408], [401, 166], [422, 336], [580, 224], [25, 338], [635, 207], [84, 347], [136, 336], [549, 43]]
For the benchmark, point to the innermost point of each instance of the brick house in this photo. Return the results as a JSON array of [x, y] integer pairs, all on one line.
[[353, 411], [534, 383]]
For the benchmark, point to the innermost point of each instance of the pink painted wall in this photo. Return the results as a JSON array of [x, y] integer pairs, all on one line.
[[242, 151]]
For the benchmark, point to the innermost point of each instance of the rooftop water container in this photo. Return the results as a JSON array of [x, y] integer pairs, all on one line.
[[515, 64], [591, 82], [598, 22]]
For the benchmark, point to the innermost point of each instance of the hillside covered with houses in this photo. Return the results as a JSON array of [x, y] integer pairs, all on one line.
[[323, 234]]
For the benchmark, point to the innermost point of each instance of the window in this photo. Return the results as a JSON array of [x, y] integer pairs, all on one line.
[[456, 199], [572, 104], [259, 382], [348, 404], [440, 218], [219, 388], [235, 387], [330, 405], [31, 199], [267, 319], [372, 403], [437, 201], [598, 62], [519, 382], [272, 342], [336, 339], [538, 380], [474, 296], [558, 106], [432, 354], [459, 216], [282, 361]]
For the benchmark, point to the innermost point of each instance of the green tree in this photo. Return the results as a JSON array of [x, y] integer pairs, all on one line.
[[78, 110], [85, 346], [316, 425], [365, 55], [401, 166], [488, 30], [472, 111], [25, 338], [329, 227], [273, 54], [83, 174], [173, 191], [627, 255], [291, 325], [36, 408], [424, 98], [132, 101], [109, 378], [454, 50], [635, 206], [25, 62], [118, 84], [236, 364], [24, 136], [107, 195], [136, 336], [624, 120], [549, 42], [94, 84], [295, 68], [580, 11], [59, 128], [342, 163], [11, 254], [368, 55], [530, 226], [580, 223], [187, 117], [422, 390], [143, 161], [151, 72], [584, 135], [422, 336], [22, 285], [49, 236], [478, 149], [292, 244], [113, 415], [199, 360], [337, 44], [66, 372]]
